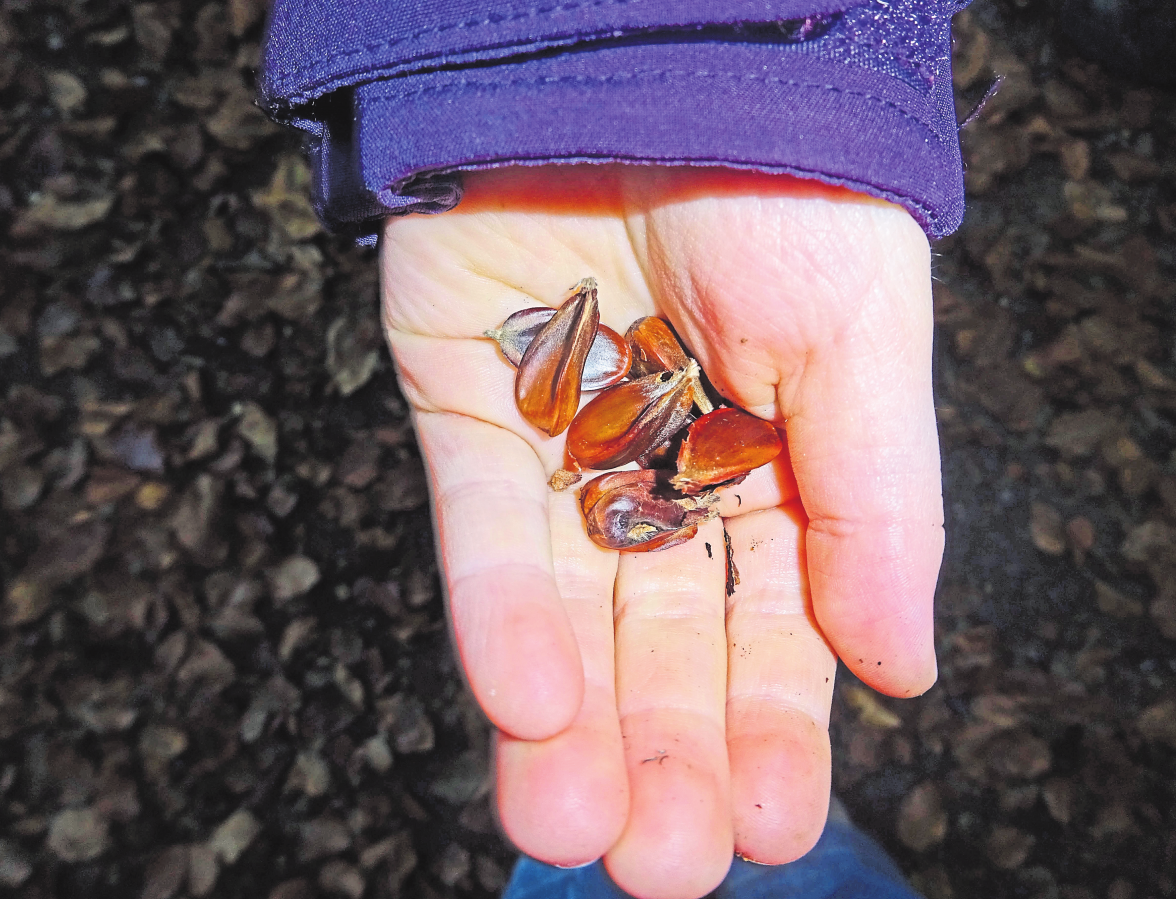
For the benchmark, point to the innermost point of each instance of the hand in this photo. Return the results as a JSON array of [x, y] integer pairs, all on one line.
[[641, 717]]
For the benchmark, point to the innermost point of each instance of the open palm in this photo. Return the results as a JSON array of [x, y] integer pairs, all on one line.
[[643, 716]]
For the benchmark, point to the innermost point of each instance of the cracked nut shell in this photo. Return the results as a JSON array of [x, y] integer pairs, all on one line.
[[637, 511]]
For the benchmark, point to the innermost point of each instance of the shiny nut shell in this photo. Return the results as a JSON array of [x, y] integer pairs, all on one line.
[[627, 421], [655, 348], [724, 445], [547, 383], [608, 359]]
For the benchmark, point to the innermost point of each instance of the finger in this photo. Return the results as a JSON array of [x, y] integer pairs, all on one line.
[[779, 690], [474, 380], [564, 800], [865, 450], [671, 690], [512, 634], [820, 313]]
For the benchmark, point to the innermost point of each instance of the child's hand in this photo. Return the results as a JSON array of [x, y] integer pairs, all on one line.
[[644, 716]]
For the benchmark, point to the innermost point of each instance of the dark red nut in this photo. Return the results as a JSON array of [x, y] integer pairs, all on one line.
[[631, 419], [547, 384], [723, 446], [608, 359], [636, 511]]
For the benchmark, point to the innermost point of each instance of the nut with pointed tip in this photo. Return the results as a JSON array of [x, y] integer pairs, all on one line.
[[608, 359], [637, 511], [547, 383], [631, 419], [655, 348], [722, 447]]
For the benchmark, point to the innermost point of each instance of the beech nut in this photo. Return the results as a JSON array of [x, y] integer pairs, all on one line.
[[631, 419], [547, 383], [723, 446], [638, 511], [648, 390], [608, 358], [655, 348]]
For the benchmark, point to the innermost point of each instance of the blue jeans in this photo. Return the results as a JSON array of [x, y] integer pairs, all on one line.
[[845, 864]]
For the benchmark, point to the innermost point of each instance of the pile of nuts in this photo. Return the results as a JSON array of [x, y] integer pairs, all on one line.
[[644, 413]]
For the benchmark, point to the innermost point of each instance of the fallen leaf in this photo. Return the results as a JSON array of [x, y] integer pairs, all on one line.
[[922, 819], [352, 356], [292, 577], [259, 430], [1047, 528], [286, 198], [50, 213], [871, 712], [234, 836]]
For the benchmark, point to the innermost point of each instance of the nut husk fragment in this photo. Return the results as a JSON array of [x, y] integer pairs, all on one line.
[[732, 568], [563, 479]]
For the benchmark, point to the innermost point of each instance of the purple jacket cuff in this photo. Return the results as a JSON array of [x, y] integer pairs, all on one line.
[[860, 96]]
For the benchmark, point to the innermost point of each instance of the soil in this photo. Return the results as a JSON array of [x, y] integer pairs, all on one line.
[[224, 668]]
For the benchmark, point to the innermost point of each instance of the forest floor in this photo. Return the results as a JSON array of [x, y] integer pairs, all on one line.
[[224, 668]]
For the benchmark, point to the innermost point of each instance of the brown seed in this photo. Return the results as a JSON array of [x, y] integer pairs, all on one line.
[[547, 384], [655, 348], [636, 511], [723, 446], [608, 359], [631, 419]]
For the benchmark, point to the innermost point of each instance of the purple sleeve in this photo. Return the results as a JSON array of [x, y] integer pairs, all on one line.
[[399, 96]]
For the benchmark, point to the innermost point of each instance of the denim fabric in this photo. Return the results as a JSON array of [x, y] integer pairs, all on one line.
[[397, 97], [845, 864]]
